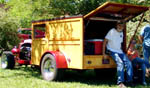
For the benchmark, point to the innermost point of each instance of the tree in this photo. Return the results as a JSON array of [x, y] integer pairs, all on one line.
[[85, 6], [22, 10], [25, 11], [8, 30], [28, 10], [132, 24], [2, 1], [62, 7]]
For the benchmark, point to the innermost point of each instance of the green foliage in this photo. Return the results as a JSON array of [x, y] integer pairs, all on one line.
[[28, 10], [24, 11], [132, 25], [8, 32], [85, 6], [2, 1], [63, 7], [41, 9]]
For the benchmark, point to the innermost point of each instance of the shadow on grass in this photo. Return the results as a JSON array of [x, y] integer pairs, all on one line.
[[88, 77], [85, 77]]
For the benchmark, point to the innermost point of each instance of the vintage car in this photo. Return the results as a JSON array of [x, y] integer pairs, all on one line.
[[20, 54]]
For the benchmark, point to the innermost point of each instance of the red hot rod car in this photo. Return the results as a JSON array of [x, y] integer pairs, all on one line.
[[22, 53]]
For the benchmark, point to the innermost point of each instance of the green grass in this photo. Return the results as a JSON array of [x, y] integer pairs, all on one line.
[[26, 77]]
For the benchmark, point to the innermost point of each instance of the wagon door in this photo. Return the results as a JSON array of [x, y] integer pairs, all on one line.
[[39, 42]]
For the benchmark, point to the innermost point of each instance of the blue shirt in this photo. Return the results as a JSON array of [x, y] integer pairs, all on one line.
[[145, 33]]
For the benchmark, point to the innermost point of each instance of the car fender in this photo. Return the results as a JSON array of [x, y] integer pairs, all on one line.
[[15, 51], [61, 61]]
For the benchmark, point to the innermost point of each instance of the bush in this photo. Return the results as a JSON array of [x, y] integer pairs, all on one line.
[[8, 30]]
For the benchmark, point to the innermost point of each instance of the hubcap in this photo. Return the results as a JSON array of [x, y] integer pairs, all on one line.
[[49, 68], [4, 62]]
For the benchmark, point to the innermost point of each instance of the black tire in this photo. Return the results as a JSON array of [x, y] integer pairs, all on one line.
[[49, 70], [7, 60]]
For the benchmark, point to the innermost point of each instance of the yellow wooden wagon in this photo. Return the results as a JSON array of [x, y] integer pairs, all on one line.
[[75, 42]]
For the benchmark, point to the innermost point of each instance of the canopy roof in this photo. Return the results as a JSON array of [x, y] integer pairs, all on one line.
[[115, 11]]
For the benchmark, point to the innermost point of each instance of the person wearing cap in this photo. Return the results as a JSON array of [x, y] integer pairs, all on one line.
[[134, 56], [112, 43]]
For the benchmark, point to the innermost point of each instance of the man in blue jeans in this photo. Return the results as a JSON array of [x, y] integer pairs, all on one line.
[[145, 40], [113, 41], [134, 56]]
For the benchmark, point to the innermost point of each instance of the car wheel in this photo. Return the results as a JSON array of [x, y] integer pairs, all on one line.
[[7, 60], [49, 70]]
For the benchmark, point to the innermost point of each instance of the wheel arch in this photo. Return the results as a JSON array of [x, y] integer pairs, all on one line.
[[61, 61]]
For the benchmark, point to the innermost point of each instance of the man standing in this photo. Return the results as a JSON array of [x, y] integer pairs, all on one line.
[[145, 40], [113, 41]]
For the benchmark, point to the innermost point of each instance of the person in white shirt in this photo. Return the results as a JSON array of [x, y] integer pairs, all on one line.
[[113, 43]]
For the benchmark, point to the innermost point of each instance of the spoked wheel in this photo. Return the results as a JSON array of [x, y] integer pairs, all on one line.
[[4, 62], [7, 60], [49, 70]]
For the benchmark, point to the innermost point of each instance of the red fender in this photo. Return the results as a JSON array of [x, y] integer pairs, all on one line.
[[15, 51], [60, 59]]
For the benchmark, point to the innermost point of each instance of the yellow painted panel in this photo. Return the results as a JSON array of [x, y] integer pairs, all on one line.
[[96, 61], [39, 46], [68, 29], [65, 36]]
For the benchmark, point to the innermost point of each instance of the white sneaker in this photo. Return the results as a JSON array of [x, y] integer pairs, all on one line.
[[121, 85]]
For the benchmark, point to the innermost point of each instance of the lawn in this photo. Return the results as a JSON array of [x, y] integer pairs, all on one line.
[[27, 77]]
